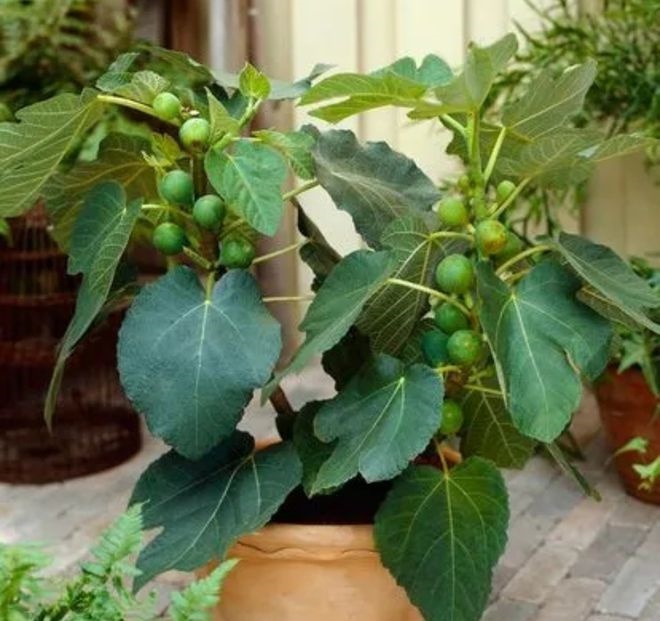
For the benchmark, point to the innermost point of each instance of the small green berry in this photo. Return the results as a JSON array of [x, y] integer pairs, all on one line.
[[434, 347], [209, 212], [513, 246], [464, 347], [491, 236], [237, 252], [169, 238], [177, 187], [195, 134], [452, 211], [455, 274], [166, 105], [504, 190], [452, 417], [449, 318]]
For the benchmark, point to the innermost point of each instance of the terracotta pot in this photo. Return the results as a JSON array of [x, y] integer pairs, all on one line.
[[627, 408], [291, 572]]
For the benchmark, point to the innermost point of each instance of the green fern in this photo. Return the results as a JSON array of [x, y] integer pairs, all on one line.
[[194, 603]]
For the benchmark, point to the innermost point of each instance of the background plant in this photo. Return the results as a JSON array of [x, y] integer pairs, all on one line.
[[101, 591], [448, 332]]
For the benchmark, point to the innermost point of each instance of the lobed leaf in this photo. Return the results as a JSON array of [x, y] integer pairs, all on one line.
[[441, 533], [204, 506], [383, 418], [541, 338], [294, 146]]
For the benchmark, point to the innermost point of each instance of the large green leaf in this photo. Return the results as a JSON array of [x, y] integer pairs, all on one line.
[[542, 338], [99, 239], [433, 70], [374, 184], [250, 180], [390, 316], [606, 272], [337, 305], [31, 150], [189, 361], [317, 252], [440, 535], [489, 431], [204, 506], [548, 102], [347, 357], [120, 159], [469, 89], [381, 420], [311, 451]]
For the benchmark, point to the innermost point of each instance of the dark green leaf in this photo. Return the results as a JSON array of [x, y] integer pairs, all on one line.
[[294, 146], [31, 150], [548, 102], [347, 357], [252, 83], [337, 305], [189, 362], [99, 238], [440, 535], [374, 184], [612, 277], [317, 253], [120, 159], [432, 72], [311, 451], [541, 338], [469, 89], [250, 180], [489, 431], [204, 506], [391, 315], [412, 349], [381, 420]]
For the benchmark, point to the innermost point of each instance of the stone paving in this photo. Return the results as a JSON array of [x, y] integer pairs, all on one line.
[[569, 558]]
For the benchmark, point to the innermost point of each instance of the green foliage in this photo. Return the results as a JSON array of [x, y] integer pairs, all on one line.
[[203, 506], [524, 323], [100, 591], [441, 533]]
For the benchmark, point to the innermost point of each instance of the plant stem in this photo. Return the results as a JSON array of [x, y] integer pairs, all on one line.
[[428, 291], [453, 123], [199, 177], [492, 160], [281, 403], [234, 225], [205, 264], [299, 190], [451, 235], [480, 388], [523, 255], [208, 285], [474, 146], [280, 252], [446, 368], [443, 460], [288, 298], [134, 105], [512, 197], [176, 210]]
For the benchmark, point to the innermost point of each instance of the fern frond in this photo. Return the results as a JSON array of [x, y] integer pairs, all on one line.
[[195, 602]]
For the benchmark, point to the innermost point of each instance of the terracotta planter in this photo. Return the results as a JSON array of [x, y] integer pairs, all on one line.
[[626, 408], [293, 572]]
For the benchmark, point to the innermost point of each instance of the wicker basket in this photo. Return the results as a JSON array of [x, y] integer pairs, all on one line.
[[94, 427]]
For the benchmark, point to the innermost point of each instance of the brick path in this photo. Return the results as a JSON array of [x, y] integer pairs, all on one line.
[[569, 558]]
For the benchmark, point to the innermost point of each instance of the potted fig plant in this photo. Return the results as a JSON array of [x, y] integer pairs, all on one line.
[[455, 348]]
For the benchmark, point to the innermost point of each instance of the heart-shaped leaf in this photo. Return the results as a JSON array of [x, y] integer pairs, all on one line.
[[189, 360], [250, 180], [374, 184], [383, 418], [204, 506], [542, 338], [612, 277], [489, 431], [440, 535]]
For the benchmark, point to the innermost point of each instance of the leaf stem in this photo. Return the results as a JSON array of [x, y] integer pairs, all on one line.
[[172, 208], [509, 199], [428, 291], [492, 160], [134, 105], [300, 189], [451, 235], [523, 255], [484, 389], [233, 226], [447, 368], [280, 252], [288, 298], [454, 124], [205, 264]]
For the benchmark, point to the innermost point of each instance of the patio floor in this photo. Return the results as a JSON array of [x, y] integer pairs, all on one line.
[[569, 558]]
